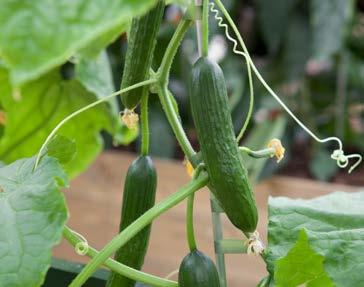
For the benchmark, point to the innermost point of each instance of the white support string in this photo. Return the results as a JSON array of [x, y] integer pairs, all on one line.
[[342, 160]]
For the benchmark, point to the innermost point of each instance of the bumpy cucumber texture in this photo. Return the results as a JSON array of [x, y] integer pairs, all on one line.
[[139, 196], [211, 115], [139, 56]]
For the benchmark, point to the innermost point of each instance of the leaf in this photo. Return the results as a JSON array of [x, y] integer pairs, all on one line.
[[36, 36], [330, 20], [296, 50], [62, 148], [125, 136], [321, 165], [43, 104], [95, 74], [273, 18], [301, 265], [32, 216], [334, 226]]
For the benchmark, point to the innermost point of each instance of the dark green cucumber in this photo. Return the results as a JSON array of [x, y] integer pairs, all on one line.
[[139, 55], [139, 196], [198, 270], [220, 153]]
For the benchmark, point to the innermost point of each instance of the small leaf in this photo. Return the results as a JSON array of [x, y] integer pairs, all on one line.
[[33, 213], [274, 21], [322, 166], [95, 74], [124, 136], [301, 265], [334, 225], [330, 20], [62, 148]]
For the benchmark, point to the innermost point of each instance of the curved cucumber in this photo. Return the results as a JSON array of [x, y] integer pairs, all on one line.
[[198, 270], [141, 44], [220, 153], [139, 196]]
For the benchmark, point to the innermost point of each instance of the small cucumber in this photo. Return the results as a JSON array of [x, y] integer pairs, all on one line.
[[197, 270], [139, 55], [220, 153], [139, 196]]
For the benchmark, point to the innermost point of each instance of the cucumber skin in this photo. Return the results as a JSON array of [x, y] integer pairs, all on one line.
[[211, 115], [139, 196], [141, 44], [198, 270]]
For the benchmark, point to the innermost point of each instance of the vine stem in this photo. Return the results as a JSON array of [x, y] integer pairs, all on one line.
[[205, 28], [129, 232], [115, 266], [191, 239], [145, 124], [175, 123], [76, 113], [164, 69], [164, 95]]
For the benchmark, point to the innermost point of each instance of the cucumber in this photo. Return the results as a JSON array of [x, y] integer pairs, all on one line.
[[220, 153], [139, 55], [139, 196], [197, 270]]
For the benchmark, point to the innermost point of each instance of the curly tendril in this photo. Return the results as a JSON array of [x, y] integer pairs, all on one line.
[[342, 160], [81, 247]]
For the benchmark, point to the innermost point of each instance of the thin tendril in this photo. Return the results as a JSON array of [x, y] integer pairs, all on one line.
[[82, 247], [338, 154], [65, 120], [220, 22]]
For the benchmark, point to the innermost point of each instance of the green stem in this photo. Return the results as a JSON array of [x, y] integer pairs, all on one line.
[[205, 28], [128, 233], [264, 153], [76, 113], [189, 224], [144, 124], [115, 266], [165, 67], [175, 123]]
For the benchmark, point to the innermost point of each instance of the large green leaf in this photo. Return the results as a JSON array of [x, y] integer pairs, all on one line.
[[42, 105], [330, 20], [301, 265], [36, 36], [32, 216], [335, 229]]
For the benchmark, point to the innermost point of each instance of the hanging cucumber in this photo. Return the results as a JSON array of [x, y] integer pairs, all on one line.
[[141, 44], [211, 115], [139, 196], [197, 270]]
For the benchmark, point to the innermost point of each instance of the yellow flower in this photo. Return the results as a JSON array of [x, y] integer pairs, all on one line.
[[130, 119], [278, 149], [189, 167]]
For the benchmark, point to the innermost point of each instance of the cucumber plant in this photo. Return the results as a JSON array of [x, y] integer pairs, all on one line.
[[219, 164]]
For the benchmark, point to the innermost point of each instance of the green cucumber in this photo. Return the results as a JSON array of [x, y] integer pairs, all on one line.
[[139, 196], [198, 270], [139, 55], [220, 153]]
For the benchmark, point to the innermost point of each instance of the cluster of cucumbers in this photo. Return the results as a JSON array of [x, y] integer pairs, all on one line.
[[228, 179]]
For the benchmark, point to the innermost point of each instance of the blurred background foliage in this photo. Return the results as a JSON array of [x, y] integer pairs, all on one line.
[[310, 52]]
